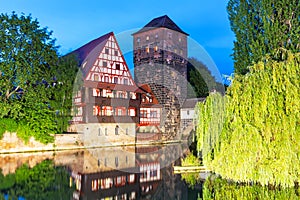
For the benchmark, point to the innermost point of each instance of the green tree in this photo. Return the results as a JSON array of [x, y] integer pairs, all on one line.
[[36, 85], [259, 139], [263, 27], [200, 79]]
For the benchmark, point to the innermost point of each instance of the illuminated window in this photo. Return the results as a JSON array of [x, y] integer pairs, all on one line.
[[132, 95], [131, 112], [156, 48], [95, 185], [96, 92], [106, 183], [96, 110], [147, 37], [107, 110], [131, 178], [120, 181], [147, 49]]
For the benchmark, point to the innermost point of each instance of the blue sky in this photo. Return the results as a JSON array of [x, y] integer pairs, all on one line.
[[76, 22]]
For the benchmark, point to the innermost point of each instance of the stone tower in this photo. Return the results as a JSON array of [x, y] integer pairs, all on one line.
[[160, 60]]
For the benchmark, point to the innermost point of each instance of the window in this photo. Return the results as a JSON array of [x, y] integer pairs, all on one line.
[[95, 185], [118, 66], [107, 111], [122, 94], [131, 178], [116, 80], [105, 134], [121, 111], [104, 64], [99, 134], [143, 114], [106, 50], [96, 77], [132, 95], [169, 35], [147, 49], [138, 40], [96, 110], [120, 180], [106, 183], [125, 81], [150, 99], [107, 93], [156, 48], [147, 37], [117, 132], [131, 112], [156, 35], [96, 92], [153, 114], [179, 39], [116, 162], [188, 112], [116, 53]]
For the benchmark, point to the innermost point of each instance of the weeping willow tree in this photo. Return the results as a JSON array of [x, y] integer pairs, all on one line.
[[260, 136]]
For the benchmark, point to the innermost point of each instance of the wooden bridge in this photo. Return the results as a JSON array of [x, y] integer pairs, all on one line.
[[190, 169]]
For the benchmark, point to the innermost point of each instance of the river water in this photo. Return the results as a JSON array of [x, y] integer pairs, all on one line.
[[127, 172]]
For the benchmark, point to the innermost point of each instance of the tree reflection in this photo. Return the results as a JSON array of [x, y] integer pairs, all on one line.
[[219, 189], [43, 181]]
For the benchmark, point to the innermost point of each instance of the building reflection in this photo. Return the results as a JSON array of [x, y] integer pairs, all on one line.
[[117, 173]]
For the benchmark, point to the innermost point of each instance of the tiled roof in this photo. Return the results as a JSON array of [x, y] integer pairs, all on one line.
[[191, 103], [86, 49], [163, 21]]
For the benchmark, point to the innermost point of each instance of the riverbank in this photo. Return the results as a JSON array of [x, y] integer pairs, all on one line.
[[10, 143]]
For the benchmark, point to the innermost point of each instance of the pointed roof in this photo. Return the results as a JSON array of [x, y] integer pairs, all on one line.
[[161, 22], [85, 50]]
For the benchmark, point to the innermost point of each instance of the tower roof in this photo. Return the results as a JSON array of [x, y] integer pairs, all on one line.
[[159, 22]]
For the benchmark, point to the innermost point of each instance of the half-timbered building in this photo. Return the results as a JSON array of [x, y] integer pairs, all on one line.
[[108, 100]]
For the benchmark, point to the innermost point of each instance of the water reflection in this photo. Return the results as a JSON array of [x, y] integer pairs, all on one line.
[[132, 172]]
